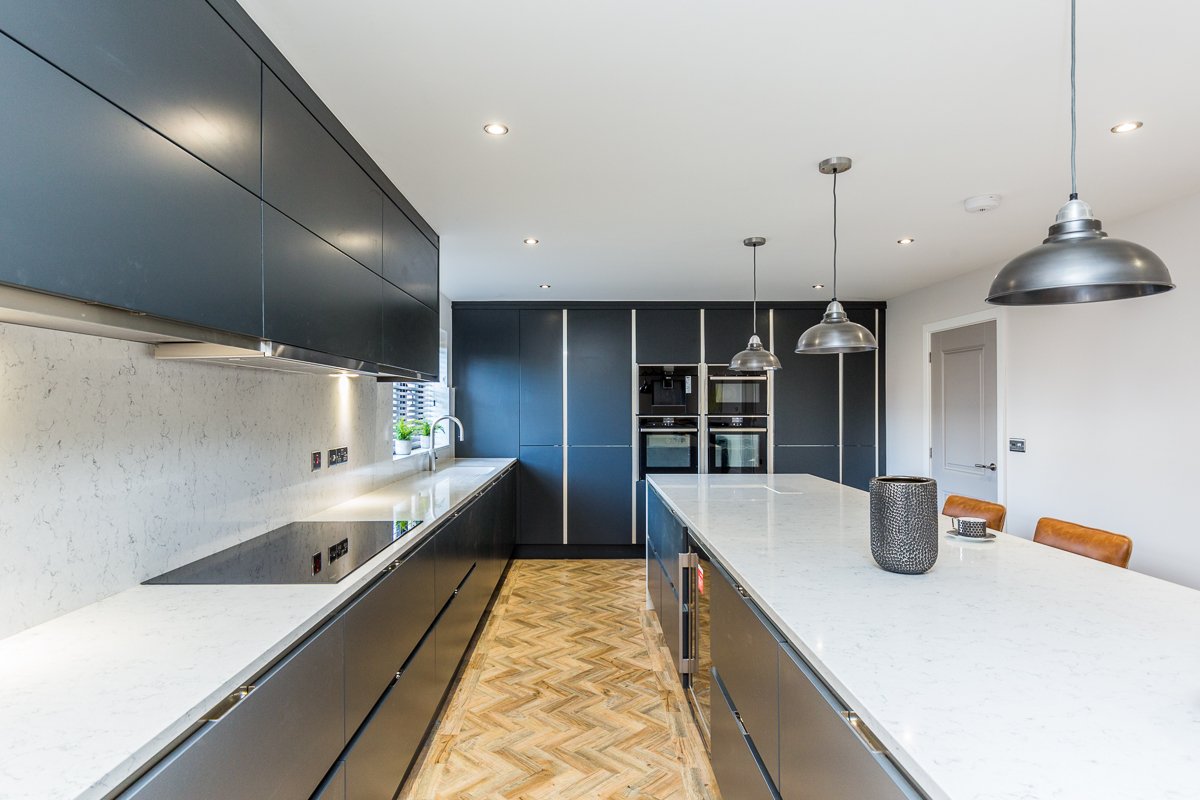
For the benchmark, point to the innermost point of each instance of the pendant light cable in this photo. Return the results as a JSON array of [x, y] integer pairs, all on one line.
[[1074, 188], [754, 304], [835, 246]]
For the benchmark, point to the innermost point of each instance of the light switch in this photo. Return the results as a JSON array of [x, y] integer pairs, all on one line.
[[1016, 445]]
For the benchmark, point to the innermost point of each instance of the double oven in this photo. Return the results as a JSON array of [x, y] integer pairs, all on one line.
[[668, 420], [737, 422]]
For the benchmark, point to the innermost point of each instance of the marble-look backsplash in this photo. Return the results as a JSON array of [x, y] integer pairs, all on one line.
[[115, 467]]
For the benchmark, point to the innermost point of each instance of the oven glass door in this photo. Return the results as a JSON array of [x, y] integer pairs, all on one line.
[[668, 452], [744, 397], [737, 451]]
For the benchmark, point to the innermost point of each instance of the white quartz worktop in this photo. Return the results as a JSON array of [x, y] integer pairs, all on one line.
[[91, 696], [1010, 670]]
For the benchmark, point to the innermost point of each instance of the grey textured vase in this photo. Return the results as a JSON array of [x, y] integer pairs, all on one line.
[[904, 523]]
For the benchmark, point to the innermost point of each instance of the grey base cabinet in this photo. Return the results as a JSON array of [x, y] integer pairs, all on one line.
[[254, 752], [738, 770], [379, 757], [334, 787]]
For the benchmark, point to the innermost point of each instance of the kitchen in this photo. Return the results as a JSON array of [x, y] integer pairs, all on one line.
[[244, 241]]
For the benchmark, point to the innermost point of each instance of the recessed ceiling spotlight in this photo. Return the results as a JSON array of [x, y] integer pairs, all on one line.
[[495, 128], [543, 286], [530, 240], [818, 286], [906, 240], [1126, 127]]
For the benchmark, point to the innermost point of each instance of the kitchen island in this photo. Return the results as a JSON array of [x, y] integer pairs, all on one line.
[[1009, 670], [92, 697]]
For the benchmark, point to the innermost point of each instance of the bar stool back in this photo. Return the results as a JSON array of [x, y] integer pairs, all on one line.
[[1111, 548], [957, 505]]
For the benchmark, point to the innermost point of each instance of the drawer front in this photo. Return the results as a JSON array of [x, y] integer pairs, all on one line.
[[745, 652], [821, 755], [383, 628], [662, 526], [378, 759], [454, 630], [256, 751], [669, 618], [455, 555], [739, 773], [335, 787]]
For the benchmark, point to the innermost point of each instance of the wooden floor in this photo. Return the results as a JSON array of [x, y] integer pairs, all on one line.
[[567, 695]]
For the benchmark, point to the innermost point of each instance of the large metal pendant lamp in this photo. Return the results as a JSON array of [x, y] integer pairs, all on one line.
[[755, 358], [1078, 262], [835, 333]]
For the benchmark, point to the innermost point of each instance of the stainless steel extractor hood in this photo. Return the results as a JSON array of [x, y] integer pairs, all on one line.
[[181, 341]]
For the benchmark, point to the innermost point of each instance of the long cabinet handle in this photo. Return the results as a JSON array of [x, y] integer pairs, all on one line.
[[865, 734], [225, 706]]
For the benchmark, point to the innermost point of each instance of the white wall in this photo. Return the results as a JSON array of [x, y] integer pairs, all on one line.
[[115, 467], [1106, 395]]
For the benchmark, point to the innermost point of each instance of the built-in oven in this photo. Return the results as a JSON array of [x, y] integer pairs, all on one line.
[[737, 444], [668, 445], [733, 394]]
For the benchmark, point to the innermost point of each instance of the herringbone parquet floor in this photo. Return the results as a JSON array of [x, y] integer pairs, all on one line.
[[567, 696]]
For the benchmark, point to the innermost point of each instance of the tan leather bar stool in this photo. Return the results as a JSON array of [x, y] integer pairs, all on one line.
[[958, 506], [1111, 548]]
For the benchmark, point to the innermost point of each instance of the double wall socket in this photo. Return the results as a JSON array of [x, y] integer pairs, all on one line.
[[339, 455]]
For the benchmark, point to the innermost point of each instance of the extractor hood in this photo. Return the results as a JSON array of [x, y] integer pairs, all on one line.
[[181, 341]]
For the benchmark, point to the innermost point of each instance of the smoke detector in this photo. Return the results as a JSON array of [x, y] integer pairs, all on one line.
[[981, 203]]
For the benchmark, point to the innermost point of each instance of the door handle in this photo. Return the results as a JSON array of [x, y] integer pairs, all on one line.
[[992, 467]]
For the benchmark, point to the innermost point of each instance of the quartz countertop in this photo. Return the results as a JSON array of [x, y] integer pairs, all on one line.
[[91, 696], [1010, 670]]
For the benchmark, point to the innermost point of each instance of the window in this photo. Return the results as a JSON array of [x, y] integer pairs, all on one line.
[[425, 401]]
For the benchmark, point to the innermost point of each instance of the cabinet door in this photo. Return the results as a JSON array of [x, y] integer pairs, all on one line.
[[860, 374], [819, 460], [334, 788], [821, 755], [665, 531], [599, 377], [454, 631], [668, 336], [96, 206], [670, 616], [600, 495], [308, 176], [640, 510], [379, 757], [858, 466], [253, 752], [806, 389], [736, 766], [744, 652], [486, 376], [317, 297], [409, 259], [383, 628], [540, 504], [541, 376], [411, 333], [176, 66], [727, 331], [454, 556]]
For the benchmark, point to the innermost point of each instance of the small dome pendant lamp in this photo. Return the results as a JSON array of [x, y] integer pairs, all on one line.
[[755, 358], [835, 333], [1077, 262]]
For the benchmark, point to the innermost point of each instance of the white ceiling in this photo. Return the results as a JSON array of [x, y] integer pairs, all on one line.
[[649, 137]]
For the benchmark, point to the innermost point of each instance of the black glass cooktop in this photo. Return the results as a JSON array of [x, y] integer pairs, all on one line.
[[302, 552]]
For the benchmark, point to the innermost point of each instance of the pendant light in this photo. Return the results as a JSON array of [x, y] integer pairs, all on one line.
[[1078, 262], [754, 358], [835, 333]]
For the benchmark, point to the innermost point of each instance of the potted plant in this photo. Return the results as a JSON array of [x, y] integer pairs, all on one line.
[[405, 430], [426, 433]]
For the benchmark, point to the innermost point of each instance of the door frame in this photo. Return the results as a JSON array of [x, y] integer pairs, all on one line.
[[1000, 317]]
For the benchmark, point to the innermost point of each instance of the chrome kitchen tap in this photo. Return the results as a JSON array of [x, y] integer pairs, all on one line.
[[433, 428]]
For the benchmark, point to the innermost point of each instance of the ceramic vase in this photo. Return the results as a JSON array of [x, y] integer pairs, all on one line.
[[904, 523]]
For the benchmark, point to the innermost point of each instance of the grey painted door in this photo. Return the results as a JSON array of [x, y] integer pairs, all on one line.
[[963, 411]]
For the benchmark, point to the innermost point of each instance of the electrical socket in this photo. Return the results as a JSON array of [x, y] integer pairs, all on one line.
[[339, 455], [314, 462]]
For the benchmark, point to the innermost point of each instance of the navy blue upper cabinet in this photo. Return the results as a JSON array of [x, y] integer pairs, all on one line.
[[668, 336], [860, 371], [177, 66], [486, 374], [541, 376], [727, 331], [409, 259], [96, 206], [806, 388], [411, 333], [316, 297], [599, 376], [308, 176]]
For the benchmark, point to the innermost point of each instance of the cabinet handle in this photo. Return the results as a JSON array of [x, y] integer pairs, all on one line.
[[737, 715], [864, 733], [225, 706], [741, 590]]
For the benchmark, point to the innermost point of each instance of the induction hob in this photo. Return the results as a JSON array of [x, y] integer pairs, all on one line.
[[302, 552]]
